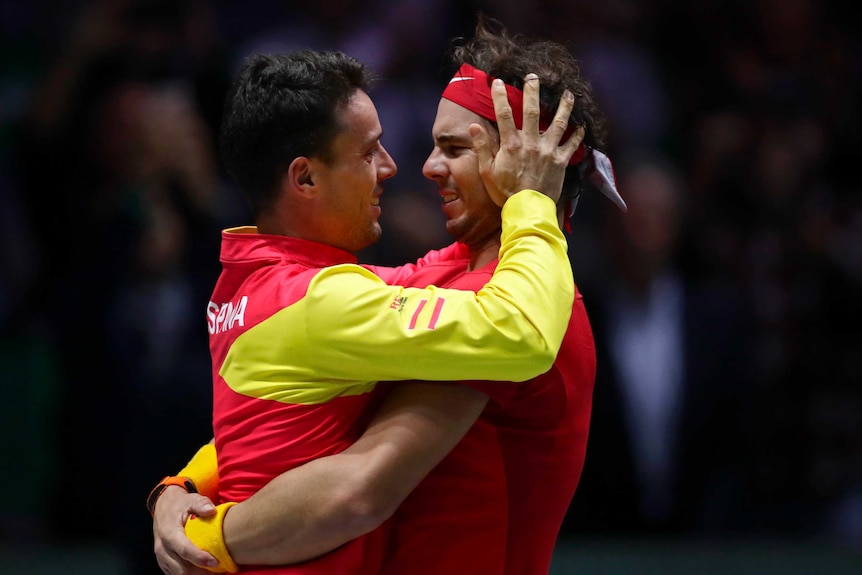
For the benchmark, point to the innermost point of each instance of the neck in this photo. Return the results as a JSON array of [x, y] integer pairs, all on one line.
[[271, 226], [483, 254], [280, 222]]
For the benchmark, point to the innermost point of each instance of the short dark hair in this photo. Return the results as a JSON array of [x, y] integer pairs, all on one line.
[[281, 107], [510, 57]]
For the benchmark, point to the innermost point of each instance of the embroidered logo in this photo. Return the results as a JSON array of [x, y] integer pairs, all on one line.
[[398, 303]]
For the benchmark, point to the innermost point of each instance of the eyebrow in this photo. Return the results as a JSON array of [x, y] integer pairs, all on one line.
[[448, 138], [373, 139]]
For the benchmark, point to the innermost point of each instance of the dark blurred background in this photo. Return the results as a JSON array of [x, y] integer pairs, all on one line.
[[727, 426]]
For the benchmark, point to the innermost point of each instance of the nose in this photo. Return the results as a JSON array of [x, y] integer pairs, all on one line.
[[387, 167], [434, 167]]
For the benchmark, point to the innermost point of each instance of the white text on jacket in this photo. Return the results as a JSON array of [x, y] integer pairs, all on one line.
[[224, 317]]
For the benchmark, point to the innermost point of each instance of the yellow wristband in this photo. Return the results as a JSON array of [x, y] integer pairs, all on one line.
[[202, 469], [207, 533]]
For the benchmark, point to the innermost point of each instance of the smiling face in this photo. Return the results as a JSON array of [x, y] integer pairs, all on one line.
[[350, 182], [472, 217]]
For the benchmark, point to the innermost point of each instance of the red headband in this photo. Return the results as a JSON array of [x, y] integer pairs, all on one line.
[[471, 88]]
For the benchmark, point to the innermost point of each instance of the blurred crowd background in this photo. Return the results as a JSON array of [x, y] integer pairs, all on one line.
[[726, 303]]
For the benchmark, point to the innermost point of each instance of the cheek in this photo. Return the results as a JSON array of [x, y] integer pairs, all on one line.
[[355, 185], [465, 172], [365, 176]]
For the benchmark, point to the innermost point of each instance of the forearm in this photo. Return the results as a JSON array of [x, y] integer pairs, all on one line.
[[510, 330], [301, 514]]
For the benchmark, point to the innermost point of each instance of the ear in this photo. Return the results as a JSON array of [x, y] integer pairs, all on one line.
[[300, 176]]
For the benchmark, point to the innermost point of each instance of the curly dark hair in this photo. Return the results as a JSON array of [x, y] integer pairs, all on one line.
[[510, 57], [281, 107]]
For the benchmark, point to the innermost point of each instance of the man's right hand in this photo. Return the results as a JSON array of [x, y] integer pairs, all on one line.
[[526, 160], [174, 552]]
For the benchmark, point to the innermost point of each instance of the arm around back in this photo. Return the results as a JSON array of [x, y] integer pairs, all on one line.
[[316, 507]]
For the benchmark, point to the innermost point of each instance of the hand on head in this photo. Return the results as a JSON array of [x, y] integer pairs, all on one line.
[[527, 159]]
